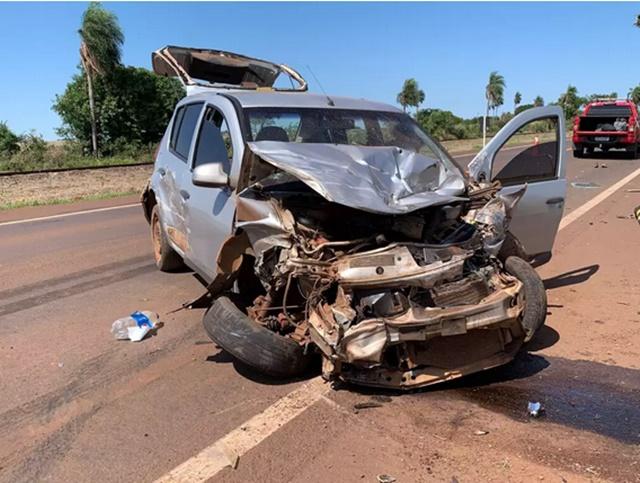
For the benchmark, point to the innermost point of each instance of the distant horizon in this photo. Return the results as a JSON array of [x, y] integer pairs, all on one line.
[[355, 49]]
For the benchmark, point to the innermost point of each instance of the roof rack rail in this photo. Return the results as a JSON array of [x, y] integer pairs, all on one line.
[[222, 70]]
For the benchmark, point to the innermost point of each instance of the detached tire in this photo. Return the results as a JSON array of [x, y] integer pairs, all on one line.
[[535, 296], [166, 258], [256, 346]]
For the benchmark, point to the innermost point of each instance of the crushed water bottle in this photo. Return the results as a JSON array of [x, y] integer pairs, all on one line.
[[135, 326]]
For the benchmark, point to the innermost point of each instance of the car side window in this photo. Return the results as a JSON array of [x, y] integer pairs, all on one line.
[[214, 141], [176, 127], [182, 136], [529, 155]]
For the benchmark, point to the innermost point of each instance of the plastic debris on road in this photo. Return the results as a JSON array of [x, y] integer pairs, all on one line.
[[535, 409], [386, 479], [135, 326]]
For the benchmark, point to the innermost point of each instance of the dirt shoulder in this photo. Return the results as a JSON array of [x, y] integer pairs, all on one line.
[[64, 187]]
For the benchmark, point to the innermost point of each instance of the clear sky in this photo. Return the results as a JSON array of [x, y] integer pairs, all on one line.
[[355, 49]]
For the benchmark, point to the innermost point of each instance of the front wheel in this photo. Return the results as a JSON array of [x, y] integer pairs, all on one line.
[[268, 352], [535, 296]]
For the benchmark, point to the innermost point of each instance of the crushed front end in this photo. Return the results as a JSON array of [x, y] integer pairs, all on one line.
[[401, 297]]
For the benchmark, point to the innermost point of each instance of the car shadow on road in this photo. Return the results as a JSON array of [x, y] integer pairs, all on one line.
[[572, 277], [248, 372], [621, 154]]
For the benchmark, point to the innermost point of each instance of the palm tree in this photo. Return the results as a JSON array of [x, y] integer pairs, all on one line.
[[100, 50], [517, 99], [538, 102], [494, 93]]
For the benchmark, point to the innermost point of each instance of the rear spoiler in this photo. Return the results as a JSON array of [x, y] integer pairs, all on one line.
[[222, 70]]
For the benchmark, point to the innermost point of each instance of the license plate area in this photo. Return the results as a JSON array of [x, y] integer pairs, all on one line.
[[601, 138]]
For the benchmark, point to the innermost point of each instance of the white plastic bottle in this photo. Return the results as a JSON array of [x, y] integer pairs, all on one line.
[[134, 326]]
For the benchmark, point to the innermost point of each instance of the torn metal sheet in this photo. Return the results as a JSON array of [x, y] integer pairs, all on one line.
[[217, 68], [385, 180]]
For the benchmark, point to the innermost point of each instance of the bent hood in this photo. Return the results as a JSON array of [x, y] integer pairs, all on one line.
[[386, 180]]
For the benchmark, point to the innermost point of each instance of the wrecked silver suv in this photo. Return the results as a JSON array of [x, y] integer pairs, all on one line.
[[335, 227]]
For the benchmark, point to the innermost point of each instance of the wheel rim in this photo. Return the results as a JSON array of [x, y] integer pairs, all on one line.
[[156, 237]]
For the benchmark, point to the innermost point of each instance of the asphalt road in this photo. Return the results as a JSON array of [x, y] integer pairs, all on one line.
[[77, 405]]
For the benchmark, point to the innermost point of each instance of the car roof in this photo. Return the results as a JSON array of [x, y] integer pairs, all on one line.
[[252, 98]]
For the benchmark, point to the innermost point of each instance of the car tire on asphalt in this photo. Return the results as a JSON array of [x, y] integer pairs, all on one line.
[[166, 258], [268, 352], [577, 153], [535, 296]]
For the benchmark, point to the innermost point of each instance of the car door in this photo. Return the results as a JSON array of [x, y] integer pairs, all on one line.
[[211, 210], [173, 174], [530, 150]]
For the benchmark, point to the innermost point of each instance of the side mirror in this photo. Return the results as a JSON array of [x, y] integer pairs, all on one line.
[[210, 175]]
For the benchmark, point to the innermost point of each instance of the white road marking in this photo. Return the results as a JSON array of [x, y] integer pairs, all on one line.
[[582, 209], [226, 451], [64, 215]]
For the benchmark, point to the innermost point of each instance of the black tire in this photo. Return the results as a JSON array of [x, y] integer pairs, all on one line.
[[578, 153], [166, 258], [256, 346], [535, 296]]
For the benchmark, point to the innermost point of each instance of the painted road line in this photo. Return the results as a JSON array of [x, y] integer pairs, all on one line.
[[226, 451], [582, 209], [64, 215]]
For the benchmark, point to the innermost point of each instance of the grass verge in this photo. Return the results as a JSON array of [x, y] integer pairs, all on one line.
[[62, 201]]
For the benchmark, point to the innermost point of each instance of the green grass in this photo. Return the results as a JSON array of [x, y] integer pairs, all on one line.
[[69, 162], [62, 201]]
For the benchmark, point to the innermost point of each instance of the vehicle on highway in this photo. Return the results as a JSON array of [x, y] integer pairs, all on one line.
[[336, 227], [607, 124]]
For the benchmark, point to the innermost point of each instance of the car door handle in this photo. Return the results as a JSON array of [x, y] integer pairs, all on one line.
[[555, 201], [162, 171], [185, 194]]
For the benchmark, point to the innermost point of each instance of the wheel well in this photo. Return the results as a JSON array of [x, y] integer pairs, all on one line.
[[148, 202]]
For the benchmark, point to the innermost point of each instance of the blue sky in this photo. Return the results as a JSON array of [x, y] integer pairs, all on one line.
[[355, 49]]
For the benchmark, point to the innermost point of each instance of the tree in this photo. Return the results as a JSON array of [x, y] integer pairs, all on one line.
[[517, 99], [135, 107], [523, 107], [494, 94], [442, 125], [410, 95], [570, 102], [538, 102], [100, 50], [634, 95], [9, 141]]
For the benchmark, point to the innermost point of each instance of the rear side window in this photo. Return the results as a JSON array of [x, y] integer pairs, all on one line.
[[183, 129]]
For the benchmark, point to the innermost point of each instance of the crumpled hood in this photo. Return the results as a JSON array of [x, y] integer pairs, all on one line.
[[385, 180]]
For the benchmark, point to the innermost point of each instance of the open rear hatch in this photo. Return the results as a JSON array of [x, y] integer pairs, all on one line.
[[216, 68]]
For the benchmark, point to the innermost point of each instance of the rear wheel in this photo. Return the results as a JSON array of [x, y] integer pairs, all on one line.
[[577, 153], [165, 257], [535, 296]]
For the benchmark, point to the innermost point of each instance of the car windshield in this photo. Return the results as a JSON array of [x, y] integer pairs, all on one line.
[[342, 126]]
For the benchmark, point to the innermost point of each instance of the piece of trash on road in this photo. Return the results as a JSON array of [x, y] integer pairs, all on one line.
[[480, 432], [135, 326], [583, 184], [633, 190], [366, 405], [535, 409], [386, 479]]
